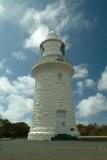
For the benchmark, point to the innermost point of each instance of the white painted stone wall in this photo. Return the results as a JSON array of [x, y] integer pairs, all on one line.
[[52, 109], [51, 94], [52, 47]]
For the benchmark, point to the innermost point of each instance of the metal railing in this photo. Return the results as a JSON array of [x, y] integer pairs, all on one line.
[[53, 58]]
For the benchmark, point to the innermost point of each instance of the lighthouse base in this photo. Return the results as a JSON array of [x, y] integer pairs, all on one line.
[[53, 136], [64, 137], [40, 135]]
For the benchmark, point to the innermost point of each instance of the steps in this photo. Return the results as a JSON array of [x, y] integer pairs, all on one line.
[[63, 137]]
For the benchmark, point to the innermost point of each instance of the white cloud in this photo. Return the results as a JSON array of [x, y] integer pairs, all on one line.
[[5, 86], [92, 105], [84, 122], [80, 84], [24, 85], [51, 16], [2, 9], [12, 11], [80, 87], [84, 85], [2, 63], [102, 84], [28, 121], [56, 16], [18, 107], [89, 83], [19, 55], [3, 68], [21, 86], [8, 71], [81, 71], [41, 21], [16, 97], [36, 37], [1, 110]]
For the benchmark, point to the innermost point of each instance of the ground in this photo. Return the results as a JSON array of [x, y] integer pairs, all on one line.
[[22, 149]]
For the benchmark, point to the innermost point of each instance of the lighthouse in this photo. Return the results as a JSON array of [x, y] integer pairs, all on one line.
[[53, 112]]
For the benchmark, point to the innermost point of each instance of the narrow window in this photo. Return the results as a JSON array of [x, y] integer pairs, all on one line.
[[71, 129], [63, 124], [63, 49], [59, 76], [41, 49]]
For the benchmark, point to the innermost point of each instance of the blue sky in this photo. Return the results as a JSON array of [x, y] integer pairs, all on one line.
[[82, 24]]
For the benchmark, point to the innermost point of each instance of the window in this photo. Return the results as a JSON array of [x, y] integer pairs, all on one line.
[[63, 124], [71, 129], [60, 113], [63, 49], [41, 49], [59, 76], [60, 58]]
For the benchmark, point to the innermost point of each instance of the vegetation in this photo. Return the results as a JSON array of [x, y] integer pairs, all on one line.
[[92, 130], [21, 129], [13, 130]]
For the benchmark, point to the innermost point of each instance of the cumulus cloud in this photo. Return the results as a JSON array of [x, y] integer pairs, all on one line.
[[56, 16], [19, 55], [84, 85], [3, 67], [92, 105], [2, 63], [52, 16], [102, 83], [2, 9], [14, 14], [80, 88], [5, 86], [24, 85], [8, 71], [17, 108], [1, 110], [20, 86], [41, 21], [16, 98], [89, 83], [36, 37], [81, 71]]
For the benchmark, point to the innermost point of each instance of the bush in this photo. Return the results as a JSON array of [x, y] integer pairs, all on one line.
[[12, 130], [92, 130]]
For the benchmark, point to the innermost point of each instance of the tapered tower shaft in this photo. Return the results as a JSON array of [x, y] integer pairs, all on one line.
[[52, 109]]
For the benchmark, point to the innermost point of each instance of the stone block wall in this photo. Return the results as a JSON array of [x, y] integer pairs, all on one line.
[[52, 93]]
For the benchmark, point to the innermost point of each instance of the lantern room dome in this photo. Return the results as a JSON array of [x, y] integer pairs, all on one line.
[[52, 36], [52, 45]]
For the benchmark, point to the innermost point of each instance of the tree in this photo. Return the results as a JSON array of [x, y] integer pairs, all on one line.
[[101, 131], [92, 130], [6, 124], [12, 130], [20, 129]]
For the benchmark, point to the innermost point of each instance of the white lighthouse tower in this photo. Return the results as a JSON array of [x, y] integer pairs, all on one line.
[[52, 109]]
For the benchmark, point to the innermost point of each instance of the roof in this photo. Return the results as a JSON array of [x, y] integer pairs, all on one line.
[[52, 36]]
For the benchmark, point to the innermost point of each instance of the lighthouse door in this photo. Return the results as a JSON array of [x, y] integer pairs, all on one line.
[[61, 122]]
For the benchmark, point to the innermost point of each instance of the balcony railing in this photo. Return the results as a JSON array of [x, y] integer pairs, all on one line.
[[53, 58]]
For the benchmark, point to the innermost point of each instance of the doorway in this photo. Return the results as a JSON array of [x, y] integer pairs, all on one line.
[[61, 122]]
